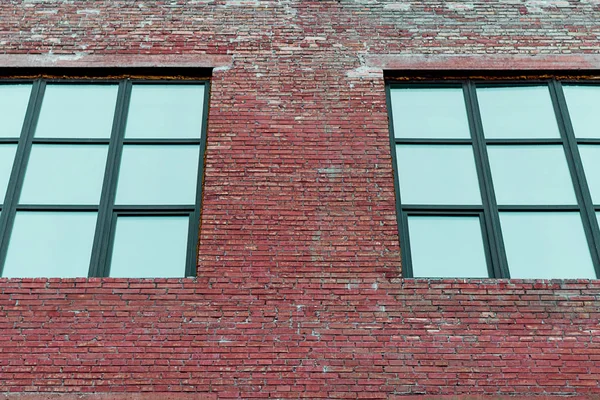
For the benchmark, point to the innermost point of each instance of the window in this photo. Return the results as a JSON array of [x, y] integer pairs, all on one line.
[[497, 178], [100, 177]]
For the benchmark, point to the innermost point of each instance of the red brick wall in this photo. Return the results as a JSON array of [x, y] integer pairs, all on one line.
[[299, 290]]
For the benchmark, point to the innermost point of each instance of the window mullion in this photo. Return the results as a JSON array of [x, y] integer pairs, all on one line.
[[17, 176], [499, 263], [582, 191], [401, 218], [98, 259]]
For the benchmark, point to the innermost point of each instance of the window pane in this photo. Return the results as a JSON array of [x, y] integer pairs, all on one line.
[[7, 157], [50, 244], [148, 247], [546, 245], [429, 113], [583, 103], [64, 174], [13, 106], [590, 157], [531, 175], [517, 112], [77, 111], [158, 175], [165, 111], [447, 247], [437, 174]]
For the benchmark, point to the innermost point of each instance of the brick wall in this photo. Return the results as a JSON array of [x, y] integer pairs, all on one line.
[[299, 290]]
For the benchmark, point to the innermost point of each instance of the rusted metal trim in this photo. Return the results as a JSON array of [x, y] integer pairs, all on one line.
[[492, 75]]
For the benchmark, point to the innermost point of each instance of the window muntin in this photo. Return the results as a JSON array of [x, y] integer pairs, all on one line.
[[72, 160], [531, 172]]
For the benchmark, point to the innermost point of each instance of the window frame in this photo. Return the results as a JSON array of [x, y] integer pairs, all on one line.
[[489, 210], [107, 210]]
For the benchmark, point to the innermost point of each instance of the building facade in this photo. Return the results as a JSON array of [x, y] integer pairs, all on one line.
[[297, 286]]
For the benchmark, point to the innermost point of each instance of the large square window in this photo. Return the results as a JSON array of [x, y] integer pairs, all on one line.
[[497, 178], [101, 177]]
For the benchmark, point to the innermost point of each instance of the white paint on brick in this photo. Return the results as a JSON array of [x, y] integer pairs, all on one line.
[[365, 72], [398, 5], [88, 11], [250, 3], [48, 1], [460, 6], [55, 58], [534, 6]]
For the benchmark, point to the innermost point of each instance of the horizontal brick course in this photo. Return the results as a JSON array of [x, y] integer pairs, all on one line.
[[285, 339]]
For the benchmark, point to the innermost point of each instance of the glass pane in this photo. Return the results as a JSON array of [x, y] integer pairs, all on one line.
[[64, 174], [545, 245], [158, 175], [77, 111], [590, 157], [7, 157], [583, 103], [517, 112], [447, 247], [13, 106], [437, 174], [150, 247], [50, 244], [165, 111], [531, 175], [429, 113]]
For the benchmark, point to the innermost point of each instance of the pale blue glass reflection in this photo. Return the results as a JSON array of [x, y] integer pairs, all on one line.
[[64, 174], [531, 175], [437, 174], [150, 247], [517, 112], [429, 113], [7, 157], [77, 111], [583, 103], [590, 157], [447, 247], [50, 244], [546, 245], [165, 111], [13, 106], [151, 175]]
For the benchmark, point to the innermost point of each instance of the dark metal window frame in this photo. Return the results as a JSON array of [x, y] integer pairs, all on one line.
[[106, 209], [489, 211]]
